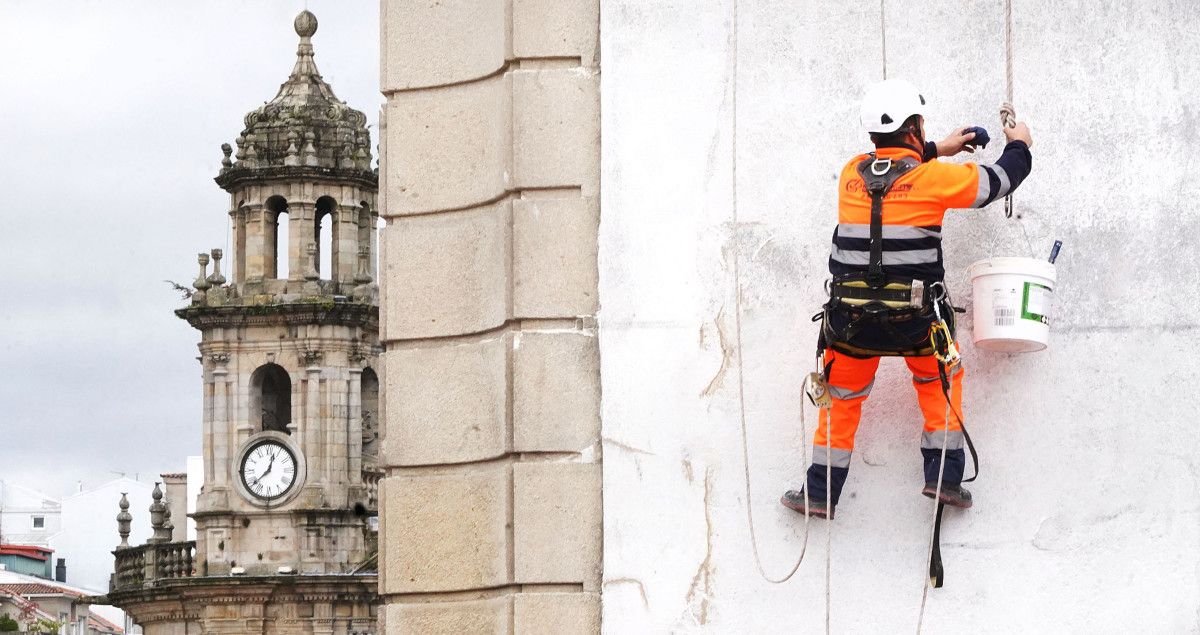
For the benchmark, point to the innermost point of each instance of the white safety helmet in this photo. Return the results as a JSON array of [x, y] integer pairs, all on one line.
[[887, 104]]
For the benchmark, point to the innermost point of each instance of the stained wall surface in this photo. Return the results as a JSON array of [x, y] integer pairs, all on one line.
[[1087, 515]]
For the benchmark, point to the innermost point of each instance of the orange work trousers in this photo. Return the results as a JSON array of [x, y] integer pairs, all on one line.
[[850, 380]]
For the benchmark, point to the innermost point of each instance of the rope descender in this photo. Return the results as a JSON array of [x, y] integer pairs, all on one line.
[[817, 387], [942, 340]]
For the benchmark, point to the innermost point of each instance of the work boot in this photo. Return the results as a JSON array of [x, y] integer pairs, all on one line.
[[952, 495], [793, 499]]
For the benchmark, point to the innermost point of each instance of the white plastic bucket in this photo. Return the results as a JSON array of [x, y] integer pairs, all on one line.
[[1014, 298]]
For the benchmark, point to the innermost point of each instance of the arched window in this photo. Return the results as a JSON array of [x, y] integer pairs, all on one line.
[[370, 411], [271, 398], [277, 247], [325, 232]]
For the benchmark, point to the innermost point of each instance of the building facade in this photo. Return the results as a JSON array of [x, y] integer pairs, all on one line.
[[27, 516], [285, 530], [491, 508]]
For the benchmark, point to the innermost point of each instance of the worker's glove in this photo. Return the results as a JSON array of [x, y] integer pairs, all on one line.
[[964, 140], [981, 137]]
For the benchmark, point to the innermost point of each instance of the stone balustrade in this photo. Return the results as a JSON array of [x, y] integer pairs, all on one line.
[[146, 564], [371, 478]]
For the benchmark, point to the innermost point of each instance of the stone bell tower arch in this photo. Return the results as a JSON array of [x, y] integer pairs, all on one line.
[[286, 517]]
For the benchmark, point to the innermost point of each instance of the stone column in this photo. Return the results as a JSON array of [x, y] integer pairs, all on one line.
[[224, 442], [354, 426], [301, 233], [345, 243], [490, 183], [237, 264], [176, 495], [257, 253], [314, 450]]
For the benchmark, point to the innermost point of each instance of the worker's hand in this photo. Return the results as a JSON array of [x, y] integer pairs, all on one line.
[[1019, 132], [956, 142]]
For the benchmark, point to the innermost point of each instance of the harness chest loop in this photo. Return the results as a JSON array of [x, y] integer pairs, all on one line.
[[880, 175]]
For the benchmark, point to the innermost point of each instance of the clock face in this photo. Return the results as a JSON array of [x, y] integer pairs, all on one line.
[[268, 470]]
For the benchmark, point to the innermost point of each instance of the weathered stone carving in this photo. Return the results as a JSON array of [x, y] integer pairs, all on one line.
[[216, 279], [312, 358], [124, 520]]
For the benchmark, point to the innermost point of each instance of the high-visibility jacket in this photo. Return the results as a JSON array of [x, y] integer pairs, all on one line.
[[914, 208]]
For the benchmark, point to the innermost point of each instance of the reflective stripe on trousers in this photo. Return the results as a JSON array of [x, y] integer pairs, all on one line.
[[850, 382]]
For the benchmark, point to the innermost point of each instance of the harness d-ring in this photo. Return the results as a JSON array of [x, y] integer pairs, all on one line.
[[887, 165], [939, 291]]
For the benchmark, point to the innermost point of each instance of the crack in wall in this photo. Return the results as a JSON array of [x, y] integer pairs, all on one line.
[[640, 587], [726, 356], [701, 588]]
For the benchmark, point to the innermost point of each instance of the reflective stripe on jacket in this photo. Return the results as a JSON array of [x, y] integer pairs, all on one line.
[[914, 208]]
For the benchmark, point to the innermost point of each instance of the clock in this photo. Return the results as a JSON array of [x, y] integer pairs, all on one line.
[[268, 469]]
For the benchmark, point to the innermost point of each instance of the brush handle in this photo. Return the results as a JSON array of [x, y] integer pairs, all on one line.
[[1054, 251]]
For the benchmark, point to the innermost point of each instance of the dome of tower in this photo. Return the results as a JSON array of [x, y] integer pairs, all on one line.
[[304, 129]]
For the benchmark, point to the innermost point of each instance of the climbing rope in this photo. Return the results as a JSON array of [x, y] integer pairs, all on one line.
[[737, 325], [737, 320], [828, 517], [1008, 114]]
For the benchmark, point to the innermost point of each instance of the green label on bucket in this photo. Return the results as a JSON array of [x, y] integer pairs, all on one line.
[[1035, 303]]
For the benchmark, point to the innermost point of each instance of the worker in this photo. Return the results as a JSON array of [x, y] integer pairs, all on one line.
[[887, 277]]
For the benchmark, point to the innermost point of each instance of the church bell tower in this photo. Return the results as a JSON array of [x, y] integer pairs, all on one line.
[[289, 340], [286, 516]]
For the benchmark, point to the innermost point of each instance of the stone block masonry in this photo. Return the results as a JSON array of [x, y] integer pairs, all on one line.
[[491, 505]]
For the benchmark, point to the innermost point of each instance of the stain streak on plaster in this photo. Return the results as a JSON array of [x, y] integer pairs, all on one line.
[[702, 582], [641, 588], [626, 446], [726, 356]]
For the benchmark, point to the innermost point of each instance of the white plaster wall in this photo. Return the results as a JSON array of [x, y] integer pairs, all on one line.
[[89, 530], [1087, 515]]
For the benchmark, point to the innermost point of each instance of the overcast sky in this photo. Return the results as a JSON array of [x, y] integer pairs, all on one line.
[[112, 116]]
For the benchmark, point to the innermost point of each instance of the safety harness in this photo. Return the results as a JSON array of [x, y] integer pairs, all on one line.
[[874, 298]]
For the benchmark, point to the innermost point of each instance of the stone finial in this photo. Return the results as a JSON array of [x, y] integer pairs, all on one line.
[[241, 147], [309, 154], [158, 512], [293, 153], [251, 160], [364, 291], [124, 520], [216, 279], [202, 284], [226, 162], [305, 24], [363, 276]]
